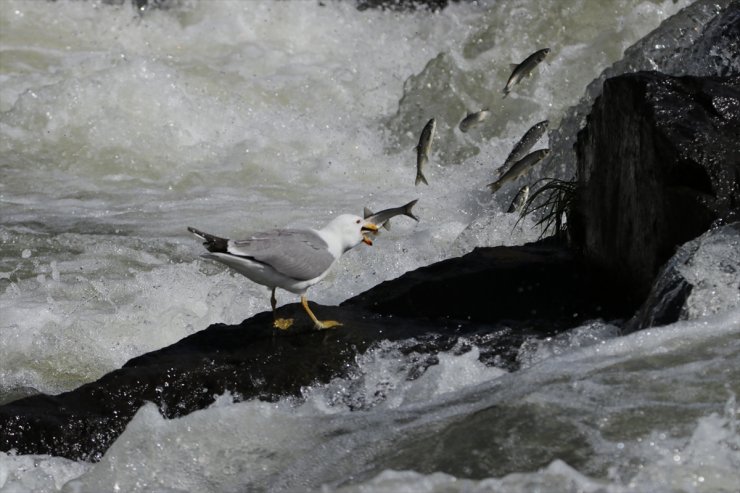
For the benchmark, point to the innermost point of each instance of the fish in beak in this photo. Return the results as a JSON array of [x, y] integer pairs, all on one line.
[[368, 226]]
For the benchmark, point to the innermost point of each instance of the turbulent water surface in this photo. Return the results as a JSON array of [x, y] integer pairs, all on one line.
[[119, 130]]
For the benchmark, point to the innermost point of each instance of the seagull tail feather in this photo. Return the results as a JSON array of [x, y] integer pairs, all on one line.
[[211, 242]]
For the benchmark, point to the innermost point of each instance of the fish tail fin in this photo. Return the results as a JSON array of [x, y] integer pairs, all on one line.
[[211, 242], [494, 186], [420, 179], [407, 209]]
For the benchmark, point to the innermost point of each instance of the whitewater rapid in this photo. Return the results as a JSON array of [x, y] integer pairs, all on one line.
[[117, 131]]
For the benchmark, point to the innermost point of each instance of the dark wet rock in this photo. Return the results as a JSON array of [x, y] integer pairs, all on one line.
[[539, 283], [494, 298], [395, 5], [403, 5], [715, 50], [658, 163], [666, 299], [702, 278], [143, 6]]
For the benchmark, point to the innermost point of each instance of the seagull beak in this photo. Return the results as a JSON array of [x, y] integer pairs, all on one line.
[[368, 227]]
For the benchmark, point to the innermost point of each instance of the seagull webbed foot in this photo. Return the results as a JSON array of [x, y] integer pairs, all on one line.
[[327, 324], [279, 323], [283, 323]]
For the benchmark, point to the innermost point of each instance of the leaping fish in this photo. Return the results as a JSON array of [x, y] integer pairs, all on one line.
[[519, 200], [473, 119], [524, 69], [382, 218], [528, 140], [521, 167], [423, 148]]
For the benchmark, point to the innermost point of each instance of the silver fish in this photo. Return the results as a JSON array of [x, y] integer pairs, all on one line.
[[382, 218], [521, 167], [422, 150], [473, 119], [524, 69], [528, 140], [519, 199]]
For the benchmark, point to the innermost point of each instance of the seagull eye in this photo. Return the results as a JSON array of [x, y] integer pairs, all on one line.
[[357, 222]]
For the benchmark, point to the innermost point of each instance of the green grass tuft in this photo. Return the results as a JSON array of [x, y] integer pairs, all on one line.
[[550, 201]]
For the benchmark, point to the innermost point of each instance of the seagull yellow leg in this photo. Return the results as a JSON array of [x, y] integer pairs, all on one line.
[[279, 323], [326, 324]]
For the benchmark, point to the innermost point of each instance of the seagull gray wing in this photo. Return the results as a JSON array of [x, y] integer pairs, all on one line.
[[296, 253]]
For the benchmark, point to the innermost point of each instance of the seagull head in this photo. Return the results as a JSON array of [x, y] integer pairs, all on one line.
[[350, 230]]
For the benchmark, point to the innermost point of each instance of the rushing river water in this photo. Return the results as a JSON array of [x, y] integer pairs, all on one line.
[[119, 130]]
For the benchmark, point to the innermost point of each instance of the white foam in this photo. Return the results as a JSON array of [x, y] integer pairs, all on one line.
[[536, 350], [37, 473], [389, 378]]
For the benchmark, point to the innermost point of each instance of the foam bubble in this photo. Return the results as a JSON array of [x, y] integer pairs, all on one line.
[[37, 473]]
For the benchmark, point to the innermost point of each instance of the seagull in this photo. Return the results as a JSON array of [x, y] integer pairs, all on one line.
[[291, 259]]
